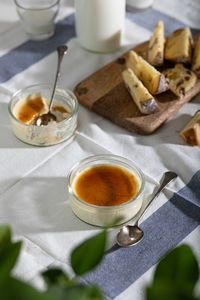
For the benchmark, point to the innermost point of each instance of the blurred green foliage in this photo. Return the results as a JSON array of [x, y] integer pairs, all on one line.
[[175, 276]]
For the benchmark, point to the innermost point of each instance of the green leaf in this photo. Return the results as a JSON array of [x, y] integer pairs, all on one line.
[[12, 289], [63, 288], [89, 254], [75, 293], [179, 266], [167, 291], [55, 276], [9, 251], [5, 236], [78, 292], [175, 276], [94, 292], [8, 258]]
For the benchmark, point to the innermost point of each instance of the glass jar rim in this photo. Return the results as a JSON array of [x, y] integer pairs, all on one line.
[[56, 2], [75, 110], [118, 158]]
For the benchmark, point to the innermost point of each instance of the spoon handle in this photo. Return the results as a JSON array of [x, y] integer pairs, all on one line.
[[61, 50], [167, 177]]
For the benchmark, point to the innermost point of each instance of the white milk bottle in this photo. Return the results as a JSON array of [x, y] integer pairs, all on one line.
[[100, 24]]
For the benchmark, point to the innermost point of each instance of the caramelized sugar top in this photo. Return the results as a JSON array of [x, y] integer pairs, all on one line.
[[30, 108], [34, 105], [106, 185], [60, 109]]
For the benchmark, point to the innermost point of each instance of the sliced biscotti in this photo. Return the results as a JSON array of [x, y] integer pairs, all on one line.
[[141, 96], [178, 46], [156, 45], [196, 58], [180, 79], [191, 132], [153, 80]]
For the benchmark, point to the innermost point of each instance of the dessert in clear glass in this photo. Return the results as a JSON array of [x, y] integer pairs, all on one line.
[[29, 103], [102, 188]]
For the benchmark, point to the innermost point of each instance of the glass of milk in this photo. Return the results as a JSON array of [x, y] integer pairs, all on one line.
[[37, 17], [100, 24]]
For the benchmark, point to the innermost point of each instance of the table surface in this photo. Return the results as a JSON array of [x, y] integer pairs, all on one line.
[[33, 196]]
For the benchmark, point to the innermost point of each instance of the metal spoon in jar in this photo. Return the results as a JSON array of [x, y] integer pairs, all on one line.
[[132, 234], [49, 116]]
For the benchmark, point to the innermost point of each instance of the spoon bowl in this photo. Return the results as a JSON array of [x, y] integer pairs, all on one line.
[[130, 235], [45, 119]]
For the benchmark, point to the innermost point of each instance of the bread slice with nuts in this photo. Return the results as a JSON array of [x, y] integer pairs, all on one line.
[[178, 46], [153, 80], [180, 79], [191, 132], [141, 96], [156, 45], [196, 58]]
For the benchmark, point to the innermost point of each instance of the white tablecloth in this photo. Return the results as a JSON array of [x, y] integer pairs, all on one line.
[[33, 197]]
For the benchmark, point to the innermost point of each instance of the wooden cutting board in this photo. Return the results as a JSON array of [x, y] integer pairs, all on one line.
[[105, 93]]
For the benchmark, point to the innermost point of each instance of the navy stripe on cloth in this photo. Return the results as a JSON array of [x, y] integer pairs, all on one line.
[[25, 55], [150, 17], [30, 52], [164, 229]]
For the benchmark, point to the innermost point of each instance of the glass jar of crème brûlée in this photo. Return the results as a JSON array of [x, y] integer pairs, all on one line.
[[27, 104], [102, 188]]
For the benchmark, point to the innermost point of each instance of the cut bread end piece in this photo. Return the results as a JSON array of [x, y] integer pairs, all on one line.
[[141, 96], [196, 58], [191, 132], [178, 46], [156, 45], [153, 80], [180, 79]]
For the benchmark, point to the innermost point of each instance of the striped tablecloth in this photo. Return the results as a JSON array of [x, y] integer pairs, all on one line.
[[33, 195]]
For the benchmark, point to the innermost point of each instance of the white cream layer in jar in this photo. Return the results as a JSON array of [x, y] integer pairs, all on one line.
[[102, 216], [100, 24]]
